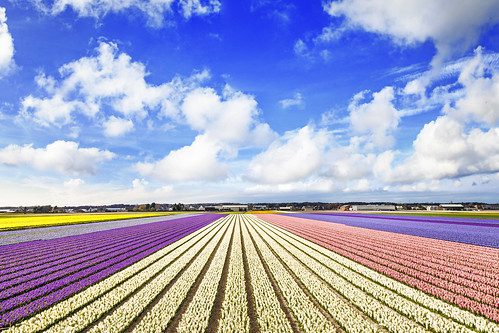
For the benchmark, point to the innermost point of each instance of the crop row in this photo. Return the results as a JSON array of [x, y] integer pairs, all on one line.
[[21, 255], [21, 300], [82, 309], [234, 312], [480, 288], [330, 236], [431, 313], [243, 274], [482, 234]]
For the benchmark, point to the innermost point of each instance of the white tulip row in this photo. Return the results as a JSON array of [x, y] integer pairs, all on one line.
[[309, 317], [424, 314], [94, 311], [159, 317], [100, 291], [197, 315], [234, 315], [379, 312], [271, 318]]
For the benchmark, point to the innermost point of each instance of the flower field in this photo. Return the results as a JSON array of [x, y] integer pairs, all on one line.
[[248, 273], [21, 221]]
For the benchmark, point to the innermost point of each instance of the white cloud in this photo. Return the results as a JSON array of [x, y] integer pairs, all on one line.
[[226, 124], [139, 183], [74, 183], [62, 156], [155, 10], [362, 185], [114, 127], [293, 157], [107, 80], [452, 30], [51, 191], [295, 101], [480, 100], [301, 48], [464, 140], [6, 45], [197, 162], [315, 185], [377, 119], [197, 8], [444, 149]]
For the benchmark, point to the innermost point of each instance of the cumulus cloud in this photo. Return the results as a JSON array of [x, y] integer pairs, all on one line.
[[293, 157], [452, 30], [377, 118], [463, 141], [480, 100], [61, 156], [155, 10], [197, 162], [6, 45], [109, 79], [226, 124], [315, 185], [444, 149], [114, 127], [295, 101]]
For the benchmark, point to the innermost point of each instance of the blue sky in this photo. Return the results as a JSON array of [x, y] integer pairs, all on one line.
[[194, 101]]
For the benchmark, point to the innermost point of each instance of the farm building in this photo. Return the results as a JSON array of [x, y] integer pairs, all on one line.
[[451, 207], [373, 207], [234, 208], [115, 209]]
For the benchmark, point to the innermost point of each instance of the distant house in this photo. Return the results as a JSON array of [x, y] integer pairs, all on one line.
[[373, 207], [285, 208], [115, 209], [234, 208], [260, 207], [7, 210], [433, 207], [201, 208], [452, 207]]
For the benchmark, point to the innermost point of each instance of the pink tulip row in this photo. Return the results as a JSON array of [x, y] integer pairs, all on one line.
[[341, 239], [448, 263], [487, 284]]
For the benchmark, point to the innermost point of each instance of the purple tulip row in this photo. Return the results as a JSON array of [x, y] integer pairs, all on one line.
[[21, 305], [483, 235], [12, 287], [14, 253], [85, 252], [432, 219]]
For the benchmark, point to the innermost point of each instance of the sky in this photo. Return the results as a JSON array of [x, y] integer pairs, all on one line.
[[136, 101]]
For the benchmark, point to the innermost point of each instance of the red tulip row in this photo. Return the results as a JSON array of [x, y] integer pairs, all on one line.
[[374, 249]]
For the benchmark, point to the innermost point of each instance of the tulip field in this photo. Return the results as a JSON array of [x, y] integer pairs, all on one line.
[[258, 273]]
